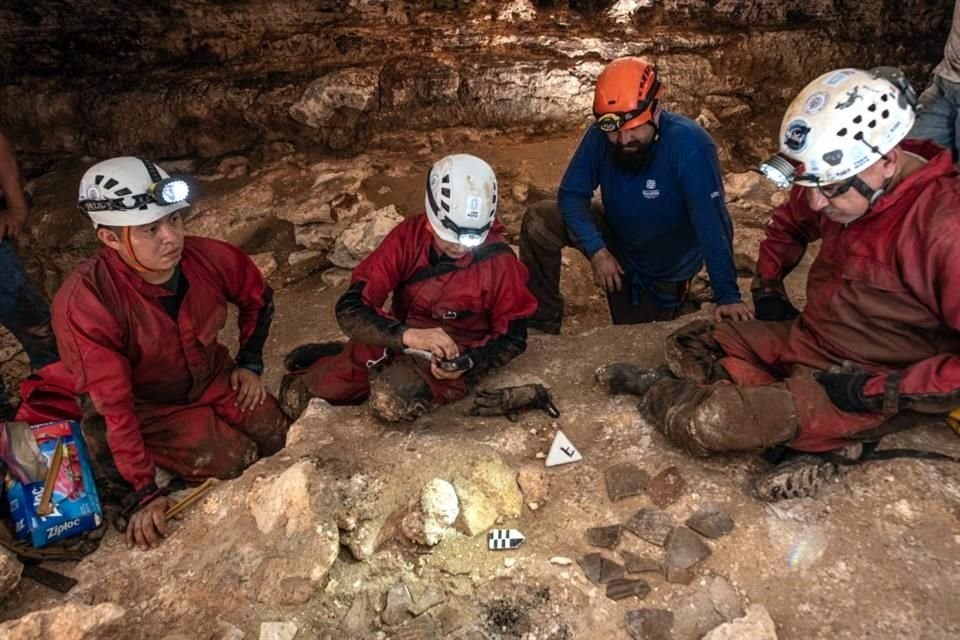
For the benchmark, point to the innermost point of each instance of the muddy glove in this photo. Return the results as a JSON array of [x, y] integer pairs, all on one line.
[[846, 390], [510, 401], [773, 306]]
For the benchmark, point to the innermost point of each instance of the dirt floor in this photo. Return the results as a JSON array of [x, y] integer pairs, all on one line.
[[876, 555]]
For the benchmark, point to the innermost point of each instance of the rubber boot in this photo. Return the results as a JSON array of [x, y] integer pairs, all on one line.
[[624, 377], [799, 477], [721, 417]]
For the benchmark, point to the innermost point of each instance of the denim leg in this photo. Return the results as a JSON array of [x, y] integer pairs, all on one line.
[[23, 311], [939, 116]]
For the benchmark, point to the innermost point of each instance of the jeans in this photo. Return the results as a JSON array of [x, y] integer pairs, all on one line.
[[939, 116], [25, 314]]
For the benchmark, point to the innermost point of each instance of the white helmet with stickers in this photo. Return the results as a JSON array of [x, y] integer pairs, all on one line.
[[128, 191], [843, 122], [461, 199]]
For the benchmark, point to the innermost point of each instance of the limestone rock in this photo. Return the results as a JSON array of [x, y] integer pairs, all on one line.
[[649, 624], [265, 262], [534, 483], [70, 621], [517, 11], [10, 570], [234, 216], [354, 89], [363, 236], [398, 601], [313, 423], [756, 625], [488, 493], [438, 508], [709, 606], [278, 630], [335, 277], [283, 502]]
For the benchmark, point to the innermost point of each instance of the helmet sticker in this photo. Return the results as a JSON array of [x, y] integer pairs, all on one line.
[[795, 138], [473, 207], [815, 103], [838, 77], [93, 193], [833, 158], [434, 180], [852, 96]]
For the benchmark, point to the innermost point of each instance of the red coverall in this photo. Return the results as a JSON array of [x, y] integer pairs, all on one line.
[[473, 299], [883, 293], [161, 385]]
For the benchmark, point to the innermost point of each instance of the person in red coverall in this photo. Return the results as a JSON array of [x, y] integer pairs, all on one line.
[[137, 329], [880, 334], [458, 292]]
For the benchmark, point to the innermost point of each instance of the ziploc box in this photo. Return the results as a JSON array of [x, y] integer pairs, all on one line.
[[76, 505]]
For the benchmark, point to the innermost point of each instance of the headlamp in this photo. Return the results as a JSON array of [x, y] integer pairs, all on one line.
[[470, 240], [779, 171], [169, 191]]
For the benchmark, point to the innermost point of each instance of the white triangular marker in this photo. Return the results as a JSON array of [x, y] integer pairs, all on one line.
[[562, 451]]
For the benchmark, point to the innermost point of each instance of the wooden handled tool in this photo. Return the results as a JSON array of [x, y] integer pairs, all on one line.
[[192, 497], [44, 508]]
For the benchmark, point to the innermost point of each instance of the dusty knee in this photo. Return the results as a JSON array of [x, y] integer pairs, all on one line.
[[692, 353], [734, 418], [398, 394]]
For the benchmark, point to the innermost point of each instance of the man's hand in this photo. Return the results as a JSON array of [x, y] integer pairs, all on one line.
[[11, 221], [147, 528], [435, 340], [440, 374], [249, 388], [606, 271], [736, 312]]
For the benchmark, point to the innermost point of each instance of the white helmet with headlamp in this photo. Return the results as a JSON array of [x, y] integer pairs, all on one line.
[[128, 191], [461, 199], [840, 124]]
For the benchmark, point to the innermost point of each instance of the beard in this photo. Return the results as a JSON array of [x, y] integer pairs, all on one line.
[[634, 156]]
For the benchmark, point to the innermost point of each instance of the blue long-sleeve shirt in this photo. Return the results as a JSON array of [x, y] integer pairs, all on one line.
[[666, 220]]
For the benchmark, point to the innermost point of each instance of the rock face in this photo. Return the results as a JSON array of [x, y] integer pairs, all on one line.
[[208, 78]]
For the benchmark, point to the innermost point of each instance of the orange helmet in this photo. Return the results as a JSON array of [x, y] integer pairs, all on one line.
[[626, 95]]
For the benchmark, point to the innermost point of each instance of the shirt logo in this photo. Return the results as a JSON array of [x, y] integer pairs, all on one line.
[[651, 191]]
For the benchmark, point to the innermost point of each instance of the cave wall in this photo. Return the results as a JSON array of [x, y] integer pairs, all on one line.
[[203, 78]]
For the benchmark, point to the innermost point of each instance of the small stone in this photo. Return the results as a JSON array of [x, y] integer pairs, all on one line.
[[358, 617], [534, 483], [509, 563], [666, 487], [533, 506], [756, 625], [425, 600], [684, 549], [625, 587], [422, 628], [624, 480], [450, 619], [676, 575], [710, 522], [600, 570], [638, 564], [278, 630], [649, 624], [10, 571], [606, 537], [398, 602], [561, 561], [540, 455], [227, 631], [651, 525], [295, 590]]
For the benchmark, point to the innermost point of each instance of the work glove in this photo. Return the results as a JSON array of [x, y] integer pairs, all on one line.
[[846, 390], [773, 306], [510, 401]]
